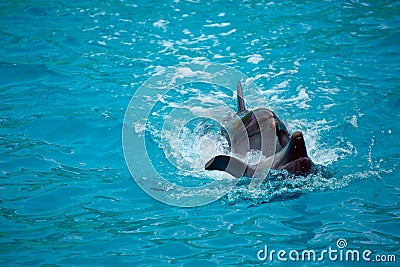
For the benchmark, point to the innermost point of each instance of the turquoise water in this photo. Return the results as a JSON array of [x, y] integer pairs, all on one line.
[[68, 71]]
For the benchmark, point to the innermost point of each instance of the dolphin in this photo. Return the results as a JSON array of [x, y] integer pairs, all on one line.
[[262, 130]]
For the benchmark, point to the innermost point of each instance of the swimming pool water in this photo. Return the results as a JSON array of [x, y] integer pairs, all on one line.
[[68, 70]]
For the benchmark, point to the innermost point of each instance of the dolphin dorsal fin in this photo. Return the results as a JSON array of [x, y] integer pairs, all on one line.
[[241, 106]]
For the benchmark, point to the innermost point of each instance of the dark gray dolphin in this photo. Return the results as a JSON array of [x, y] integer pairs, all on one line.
[[261, 129]]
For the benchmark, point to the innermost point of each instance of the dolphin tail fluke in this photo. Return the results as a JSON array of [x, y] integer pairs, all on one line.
[[231, 165], [241, 105]]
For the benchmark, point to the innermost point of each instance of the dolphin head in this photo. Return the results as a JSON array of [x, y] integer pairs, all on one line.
[[294, 156]]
